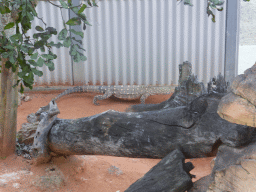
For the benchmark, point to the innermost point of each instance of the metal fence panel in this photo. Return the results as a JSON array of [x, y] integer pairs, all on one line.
[[142, 42]]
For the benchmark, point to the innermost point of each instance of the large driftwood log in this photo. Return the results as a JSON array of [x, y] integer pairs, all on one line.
[[153, 134]]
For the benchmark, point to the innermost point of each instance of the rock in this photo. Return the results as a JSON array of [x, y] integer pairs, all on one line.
[[170, 174], [239, 105], [201, 185], [212, 163], [27, 98], [234, 170], [22, 97], [236, 109]]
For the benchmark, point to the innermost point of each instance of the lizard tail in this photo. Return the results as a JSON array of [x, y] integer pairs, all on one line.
[[69, 91], [85, 89]]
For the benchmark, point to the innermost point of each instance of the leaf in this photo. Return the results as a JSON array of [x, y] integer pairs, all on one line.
[[14, 67], [217, 2], [51, 30], [87, 23], [9, 25], [63, 33], [12, 57], [73, 50], [63, 4], [89, 3], [79, 41], [28, 79], [32, 62], [83, 58], [8, 64], [213, 6], [75, 9], [42, 49], [15, 37], [40, 62], [50, 65], [48, 56], [9, 47], [21, 88], [187, 2], [94, 3], [67, 42], [39, 44], [5, 55], [77, 57], [38, 28], [26, 24], [4, 9], [34, 56], [37, 72], [52, 54], [78, 46], [74, 21], [81, 34], [30, 50], [82, 9], [58, 45], [220, 9], [82, 16]]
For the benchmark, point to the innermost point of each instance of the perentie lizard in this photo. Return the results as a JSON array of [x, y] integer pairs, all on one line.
[[120, 91]]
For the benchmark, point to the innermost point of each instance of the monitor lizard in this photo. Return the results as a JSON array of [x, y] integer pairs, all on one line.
[[120, 91]]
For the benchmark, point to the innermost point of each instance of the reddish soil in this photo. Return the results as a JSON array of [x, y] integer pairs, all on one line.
[[80, 173]]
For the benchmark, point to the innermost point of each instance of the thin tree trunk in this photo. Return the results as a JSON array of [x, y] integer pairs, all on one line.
[[8, 114], [8, 101]]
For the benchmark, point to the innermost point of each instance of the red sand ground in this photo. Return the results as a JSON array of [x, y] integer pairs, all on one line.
[[80, 173]]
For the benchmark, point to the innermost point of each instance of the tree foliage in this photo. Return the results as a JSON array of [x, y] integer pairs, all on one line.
[[212, 4], [26, 54]]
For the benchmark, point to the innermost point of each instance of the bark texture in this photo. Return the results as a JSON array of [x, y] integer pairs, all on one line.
[[170, 174], [9, 99]]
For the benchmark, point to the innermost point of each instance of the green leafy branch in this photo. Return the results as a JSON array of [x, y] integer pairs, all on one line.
[[212, 4], [26, 54]]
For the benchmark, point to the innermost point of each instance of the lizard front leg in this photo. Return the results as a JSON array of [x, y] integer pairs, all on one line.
[[101, 97], [144, 97]]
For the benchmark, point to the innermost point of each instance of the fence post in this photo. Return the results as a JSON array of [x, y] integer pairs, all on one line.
[[232, 39]]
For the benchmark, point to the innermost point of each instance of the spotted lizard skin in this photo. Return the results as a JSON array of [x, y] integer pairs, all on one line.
[[120, 91]]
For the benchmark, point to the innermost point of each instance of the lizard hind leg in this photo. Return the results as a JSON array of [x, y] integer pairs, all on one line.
[[144, 97], [101, 97]]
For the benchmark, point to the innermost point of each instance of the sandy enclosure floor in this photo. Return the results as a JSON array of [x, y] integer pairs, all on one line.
[[80, 173]]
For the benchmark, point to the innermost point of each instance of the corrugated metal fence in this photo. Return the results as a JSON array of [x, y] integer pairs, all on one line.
[[140, 42]]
